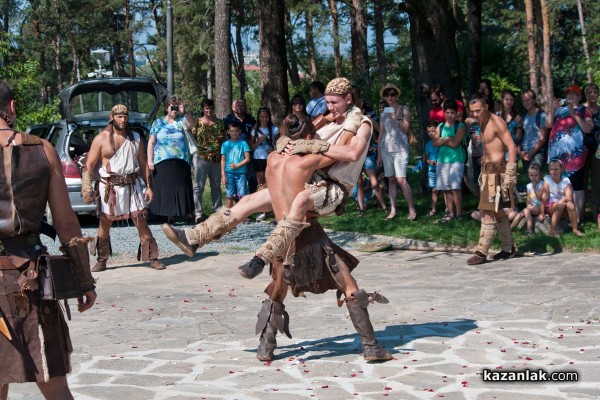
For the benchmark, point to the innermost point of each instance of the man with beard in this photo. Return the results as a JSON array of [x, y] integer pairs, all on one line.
[[121, 197]]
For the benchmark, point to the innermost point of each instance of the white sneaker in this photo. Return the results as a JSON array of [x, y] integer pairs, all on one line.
[[261, 217]]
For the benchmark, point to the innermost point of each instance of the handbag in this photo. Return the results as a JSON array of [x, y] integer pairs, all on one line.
[[57, 280], [191, 141]]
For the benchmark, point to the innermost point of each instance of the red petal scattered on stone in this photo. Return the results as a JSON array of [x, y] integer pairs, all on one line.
[[571, 363], [139, 310], [499, 367], [151, 309], [306, 371], [232, 372], [186, 301], [432, 308], [489, 342], [325, 387], [268, 364], [113, 305], [477, 332], [353, 375], [465, 383], [209, 290], [581, 349], [385, 394], [405, 367], [560, 336], [503, 351], [362, 372], [528, 358], [387, 388]]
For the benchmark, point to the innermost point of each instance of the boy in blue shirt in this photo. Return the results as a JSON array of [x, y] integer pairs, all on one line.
[[235, 154]]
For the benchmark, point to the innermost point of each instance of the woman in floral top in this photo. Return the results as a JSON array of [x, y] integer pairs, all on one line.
[[169, 160], [569, 123], [210, 135]]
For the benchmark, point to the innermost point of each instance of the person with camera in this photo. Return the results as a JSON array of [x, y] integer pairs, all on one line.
[[35, 345], [568, 122], [169, 160]]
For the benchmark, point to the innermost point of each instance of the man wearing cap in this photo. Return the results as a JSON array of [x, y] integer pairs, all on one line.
[[568, 121], [496, 182], [120, 193], [311, 263]]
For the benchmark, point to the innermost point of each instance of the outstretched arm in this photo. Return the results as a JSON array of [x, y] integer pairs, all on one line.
[[355, 147]]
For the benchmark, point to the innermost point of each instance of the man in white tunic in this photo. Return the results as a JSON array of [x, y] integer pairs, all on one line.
[[120, 192]]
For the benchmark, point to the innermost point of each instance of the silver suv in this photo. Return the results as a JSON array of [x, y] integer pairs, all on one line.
[[85, 107]]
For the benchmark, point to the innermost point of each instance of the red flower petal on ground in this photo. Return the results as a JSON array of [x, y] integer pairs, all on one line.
[[353, 375], [325, 387], [387, 388], [465, 383], [528, 358]]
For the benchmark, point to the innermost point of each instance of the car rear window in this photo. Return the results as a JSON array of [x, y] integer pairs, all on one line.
[[85, 103]]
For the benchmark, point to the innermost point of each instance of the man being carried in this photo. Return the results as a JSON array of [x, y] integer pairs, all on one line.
[[496, 182], [123, 166], [313, 263]]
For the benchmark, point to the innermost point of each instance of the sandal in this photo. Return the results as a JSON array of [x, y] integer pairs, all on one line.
[[447, 218], [432, 213], [361, 213]]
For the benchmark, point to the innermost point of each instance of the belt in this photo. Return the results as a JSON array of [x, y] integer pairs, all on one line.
[[16, 245]]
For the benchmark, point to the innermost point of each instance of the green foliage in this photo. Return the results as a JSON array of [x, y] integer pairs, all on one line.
[[22, 78]]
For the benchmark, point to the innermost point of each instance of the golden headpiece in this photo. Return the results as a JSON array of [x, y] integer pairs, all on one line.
[[339, 86], [119, 109]]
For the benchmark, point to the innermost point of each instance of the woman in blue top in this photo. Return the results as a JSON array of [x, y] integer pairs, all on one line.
[[169, 160]]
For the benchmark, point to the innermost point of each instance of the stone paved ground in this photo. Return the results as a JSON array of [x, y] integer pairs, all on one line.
[[188, 332]]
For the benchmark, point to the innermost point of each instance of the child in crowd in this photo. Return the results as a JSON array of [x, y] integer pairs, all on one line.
[[430, 157], [264, 137], [535, 206], [235, 154], [558, 195]]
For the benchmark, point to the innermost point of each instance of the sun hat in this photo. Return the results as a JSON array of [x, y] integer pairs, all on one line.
[[389, 86]]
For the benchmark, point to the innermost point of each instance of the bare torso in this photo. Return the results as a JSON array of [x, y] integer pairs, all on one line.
[[493, 146]]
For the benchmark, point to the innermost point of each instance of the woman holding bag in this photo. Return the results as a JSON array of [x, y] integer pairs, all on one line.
[[169, 160]]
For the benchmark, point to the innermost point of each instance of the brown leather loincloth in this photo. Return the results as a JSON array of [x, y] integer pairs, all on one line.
[[491, 178], [33, 355], [309, 265]]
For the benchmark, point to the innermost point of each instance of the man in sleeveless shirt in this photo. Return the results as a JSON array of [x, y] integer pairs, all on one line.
[[35, 345], [123, 167]]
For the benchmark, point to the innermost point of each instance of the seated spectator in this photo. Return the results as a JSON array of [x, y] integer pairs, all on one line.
[[535, 206], [558, 195]]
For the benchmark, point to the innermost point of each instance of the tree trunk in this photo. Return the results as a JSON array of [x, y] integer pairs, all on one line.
[[434, 54], [474, 44], [271, 34], [240, 73], [337, 58], [130, 53], [292, 59], [586, 50], [548, 90], [310, 44], [380, 42], [222, 57], [533, 76], [539, 47], [360, 51]]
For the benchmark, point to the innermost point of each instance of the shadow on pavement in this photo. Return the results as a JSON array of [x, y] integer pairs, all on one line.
[[392, 337]]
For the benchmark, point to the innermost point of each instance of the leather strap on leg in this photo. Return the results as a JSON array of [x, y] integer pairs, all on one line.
[[506, 239], [147, 250], [280, 239], [213, 228], [487, 233], [273, 312]]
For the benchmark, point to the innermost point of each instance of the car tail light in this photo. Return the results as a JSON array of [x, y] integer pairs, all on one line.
[[69, 169]]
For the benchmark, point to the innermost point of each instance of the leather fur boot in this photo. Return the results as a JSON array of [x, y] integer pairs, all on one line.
[[508, 244], [104, 250], [487, 233], [357, 308], [271, 318], [148, 251]]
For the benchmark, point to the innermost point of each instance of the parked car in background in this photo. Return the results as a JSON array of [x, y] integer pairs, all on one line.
[[85, 108]]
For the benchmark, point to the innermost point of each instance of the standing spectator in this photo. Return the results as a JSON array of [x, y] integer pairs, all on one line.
[[298, 106], [35, 344], [210, 135], [450, 137], [246, 120], [317, 104], [370, 169], [264, 137], [591, 96], [235, 155], [531, 150], [437, 97], [568, 124], [508, 113], [169, 160], [485, 89], [430, 158], [394, 148]]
